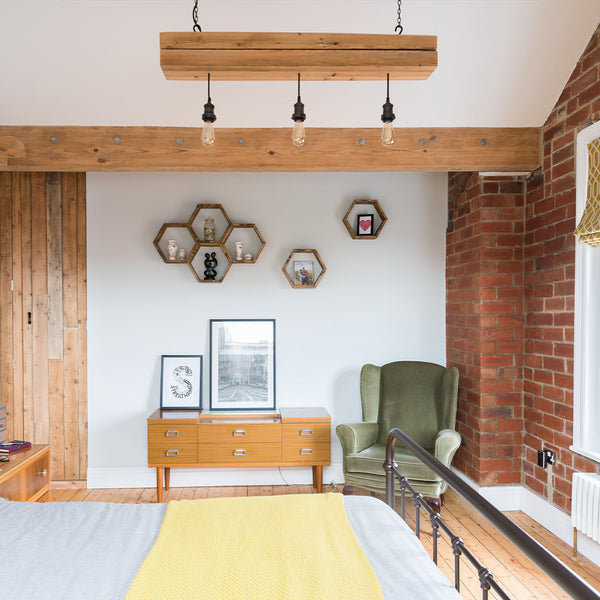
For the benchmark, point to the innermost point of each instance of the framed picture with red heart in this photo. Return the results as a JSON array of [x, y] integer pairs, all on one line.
[[365, 224]]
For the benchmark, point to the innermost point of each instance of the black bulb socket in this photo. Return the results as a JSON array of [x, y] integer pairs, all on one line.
[[209, 113], [299, 114], [388, 112]]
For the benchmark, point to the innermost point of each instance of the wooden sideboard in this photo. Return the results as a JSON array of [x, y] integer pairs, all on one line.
[[293, 437], [26, 476]]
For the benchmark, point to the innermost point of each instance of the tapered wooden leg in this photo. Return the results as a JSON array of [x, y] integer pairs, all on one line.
[[159, 484], [317, 472], [435, 503], [348, 489], [167, 477]]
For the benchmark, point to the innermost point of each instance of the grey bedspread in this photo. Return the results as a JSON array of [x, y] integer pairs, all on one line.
[[92, 550]]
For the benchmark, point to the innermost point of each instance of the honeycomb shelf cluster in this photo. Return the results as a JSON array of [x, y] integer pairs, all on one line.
[[190, 237]]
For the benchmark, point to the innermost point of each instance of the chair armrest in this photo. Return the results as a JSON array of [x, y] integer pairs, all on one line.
[[447, 443], [355, 437]]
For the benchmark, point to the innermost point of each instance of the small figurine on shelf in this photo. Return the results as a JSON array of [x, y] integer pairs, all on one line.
[[239, 250], [182, 254], [172, 249], [210, 263], [209, 229]]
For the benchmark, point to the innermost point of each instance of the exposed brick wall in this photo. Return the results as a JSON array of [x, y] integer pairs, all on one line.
[[549, 269], [484, 274], [510, 305]]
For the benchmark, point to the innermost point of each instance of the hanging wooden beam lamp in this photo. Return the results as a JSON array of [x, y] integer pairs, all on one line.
[[280, 56], [264, 56]]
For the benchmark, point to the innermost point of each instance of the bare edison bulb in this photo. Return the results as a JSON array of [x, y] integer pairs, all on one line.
[[298, 135], [387, 134], [208, 134]]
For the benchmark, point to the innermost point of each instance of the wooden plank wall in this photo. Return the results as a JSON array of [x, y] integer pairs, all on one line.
[[43, 345]]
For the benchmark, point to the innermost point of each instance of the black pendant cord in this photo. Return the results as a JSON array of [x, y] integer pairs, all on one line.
[[299, 114], [399, 27], [195, 17], [388, 108], [209, 109]]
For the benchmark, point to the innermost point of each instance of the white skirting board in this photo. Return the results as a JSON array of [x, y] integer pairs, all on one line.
[[517, 497], [141, 477]]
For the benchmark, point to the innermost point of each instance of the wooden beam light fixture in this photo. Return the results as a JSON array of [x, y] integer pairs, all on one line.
[[263, 56]]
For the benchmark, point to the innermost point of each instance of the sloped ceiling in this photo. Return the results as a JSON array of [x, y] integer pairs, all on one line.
[[502, 63]]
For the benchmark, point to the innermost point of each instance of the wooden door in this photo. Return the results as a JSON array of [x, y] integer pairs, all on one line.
[[43, 346]]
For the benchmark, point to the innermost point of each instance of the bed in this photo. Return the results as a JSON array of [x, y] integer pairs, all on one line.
[[98, 551]]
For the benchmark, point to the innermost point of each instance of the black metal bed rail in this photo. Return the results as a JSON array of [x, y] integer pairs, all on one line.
[[559, 572]]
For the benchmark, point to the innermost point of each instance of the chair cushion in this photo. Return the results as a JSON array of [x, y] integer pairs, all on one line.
[[371, 461]]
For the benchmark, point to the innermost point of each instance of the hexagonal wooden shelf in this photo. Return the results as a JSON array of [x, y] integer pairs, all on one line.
[[217, 212], [294, 275], [226, 235], [196, 262], [175, 231], [251, 239], [379, 218]]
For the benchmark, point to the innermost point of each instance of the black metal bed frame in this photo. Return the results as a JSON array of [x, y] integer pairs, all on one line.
[[559, 572]]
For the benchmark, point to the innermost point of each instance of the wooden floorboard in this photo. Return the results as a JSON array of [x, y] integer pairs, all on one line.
[[518, 575]]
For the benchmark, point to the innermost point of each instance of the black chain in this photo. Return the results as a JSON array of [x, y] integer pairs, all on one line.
[[399, 27], [195, 17]]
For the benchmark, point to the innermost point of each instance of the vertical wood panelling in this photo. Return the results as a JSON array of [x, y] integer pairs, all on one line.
[[6, 318], [17, 299], [43, 364], [82, 321], [56, 402], [55, 254], [27, 298], [39, 284]]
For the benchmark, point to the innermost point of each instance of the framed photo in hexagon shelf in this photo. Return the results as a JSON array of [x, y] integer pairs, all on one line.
[[181, 382]]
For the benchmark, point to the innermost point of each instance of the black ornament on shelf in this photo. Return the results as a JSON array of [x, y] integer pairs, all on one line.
[[210, 264]]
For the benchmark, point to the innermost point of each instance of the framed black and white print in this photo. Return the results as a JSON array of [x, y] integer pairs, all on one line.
[[242, 364], [181, 382]]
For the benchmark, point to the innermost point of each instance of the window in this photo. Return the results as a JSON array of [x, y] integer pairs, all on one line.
[[586, 440]]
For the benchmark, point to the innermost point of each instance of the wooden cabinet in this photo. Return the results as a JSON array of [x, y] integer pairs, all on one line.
[[294, 437], [26, 476]]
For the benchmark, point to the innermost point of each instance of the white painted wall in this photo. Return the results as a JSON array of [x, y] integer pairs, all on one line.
[[379, 301]]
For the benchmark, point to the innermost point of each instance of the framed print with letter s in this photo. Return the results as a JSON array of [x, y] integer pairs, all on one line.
[[181, 382], [242, 364]]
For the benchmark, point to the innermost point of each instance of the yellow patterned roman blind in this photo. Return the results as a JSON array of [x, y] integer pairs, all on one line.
[[588, 230]]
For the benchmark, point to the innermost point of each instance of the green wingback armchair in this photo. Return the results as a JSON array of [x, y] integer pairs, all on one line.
[[419, 398]]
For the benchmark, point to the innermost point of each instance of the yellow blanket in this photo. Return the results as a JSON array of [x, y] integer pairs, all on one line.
[[278, 547]]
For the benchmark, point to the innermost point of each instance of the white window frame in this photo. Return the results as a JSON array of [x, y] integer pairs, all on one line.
[[586, 385]]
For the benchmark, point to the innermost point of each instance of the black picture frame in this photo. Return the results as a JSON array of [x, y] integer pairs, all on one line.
[[242, 365], [181, 382], [363, 219]]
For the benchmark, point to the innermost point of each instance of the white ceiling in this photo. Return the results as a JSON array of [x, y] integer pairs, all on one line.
[[96, 62]]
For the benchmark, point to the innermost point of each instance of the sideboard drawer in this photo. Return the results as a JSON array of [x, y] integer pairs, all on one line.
[[309, 433], [307, 452], [174, 454], [239, 453], [248, 433], [170, 434], [30, 480]]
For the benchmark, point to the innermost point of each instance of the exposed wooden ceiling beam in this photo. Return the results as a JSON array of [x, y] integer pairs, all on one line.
[[180, 149], [10, 147], [265, 56]]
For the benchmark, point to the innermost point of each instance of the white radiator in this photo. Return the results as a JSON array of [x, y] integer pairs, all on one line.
[[585, 504]]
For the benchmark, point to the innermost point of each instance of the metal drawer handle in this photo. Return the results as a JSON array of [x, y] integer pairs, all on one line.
[[239, 452], [43, 473], [239, 433], [306, 432], [172, 452], [172, 433], [305, 451]]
